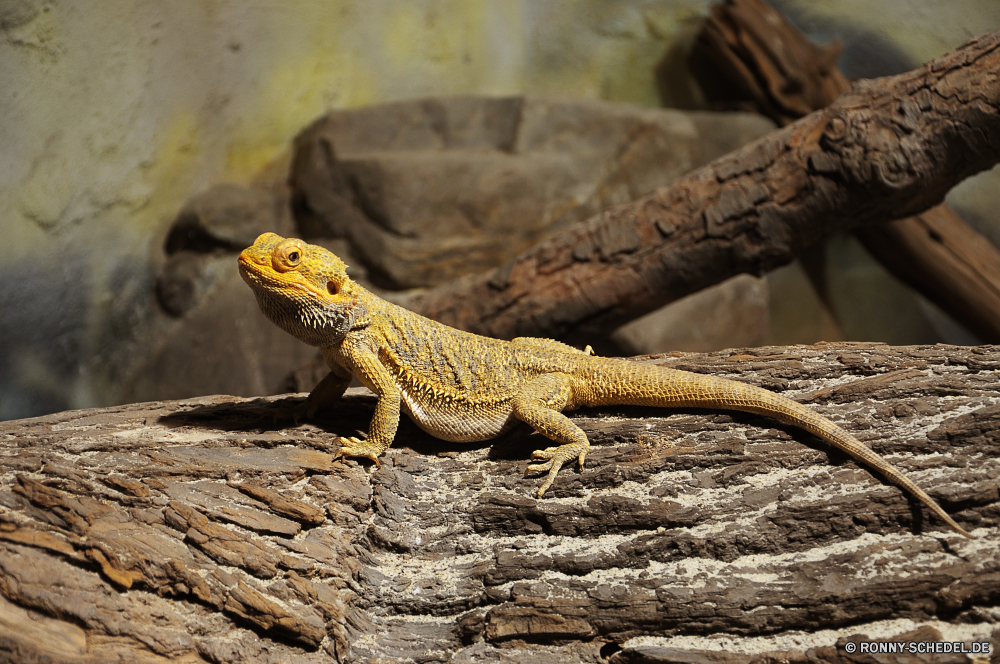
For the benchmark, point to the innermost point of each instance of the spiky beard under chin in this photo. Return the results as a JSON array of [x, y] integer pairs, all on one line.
[[306, 322]]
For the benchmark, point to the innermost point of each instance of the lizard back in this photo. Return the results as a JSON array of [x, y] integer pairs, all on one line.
[[455, 385]]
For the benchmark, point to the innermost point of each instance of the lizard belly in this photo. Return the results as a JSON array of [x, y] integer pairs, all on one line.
[[447, 420]]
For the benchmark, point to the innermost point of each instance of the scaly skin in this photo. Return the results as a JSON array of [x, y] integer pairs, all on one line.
[[463, 387]]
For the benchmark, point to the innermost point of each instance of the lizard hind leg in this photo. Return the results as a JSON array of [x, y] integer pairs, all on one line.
[[538, 403]]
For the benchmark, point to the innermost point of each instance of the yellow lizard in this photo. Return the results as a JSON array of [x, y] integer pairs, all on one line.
[[463, 387]]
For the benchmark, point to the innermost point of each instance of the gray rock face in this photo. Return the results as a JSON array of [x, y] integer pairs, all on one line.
[[691, 536], [430, 190], [416, 193], [225, 216], [733, 313], [209, 335]]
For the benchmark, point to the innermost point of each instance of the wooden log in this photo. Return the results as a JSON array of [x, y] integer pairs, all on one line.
[[886, 149], [200, 530], [749, 57], [946, 261]]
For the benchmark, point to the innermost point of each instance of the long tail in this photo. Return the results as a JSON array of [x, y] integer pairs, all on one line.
[[644, 385]]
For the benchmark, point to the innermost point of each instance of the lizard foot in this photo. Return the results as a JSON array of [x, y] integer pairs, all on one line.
[[554, 457], [304, 411], [297, 413], [355, 447]]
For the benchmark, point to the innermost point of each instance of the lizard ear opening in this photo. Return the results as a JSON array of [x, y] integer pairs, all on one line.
[[332, 287]]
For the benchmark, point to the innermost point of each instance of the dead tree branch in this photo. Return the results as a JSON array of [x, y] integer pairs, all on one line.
[[749, 57], [886, 149]]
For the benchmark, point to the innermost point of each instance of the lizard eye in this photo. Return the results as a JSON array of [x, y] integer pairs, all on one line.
[[332, 288], [287, 256]]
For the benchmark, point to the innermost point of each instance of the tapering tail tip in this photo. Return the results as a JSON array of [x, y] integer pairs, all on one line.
[[961, 531]]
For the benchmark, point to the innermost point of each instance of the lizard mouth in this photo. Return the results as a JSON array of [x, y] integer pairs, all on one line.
[[263, 276]]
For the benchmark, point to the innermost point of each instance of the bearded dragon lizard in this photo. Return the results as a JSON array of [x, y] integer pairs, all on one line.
[[462, 387]]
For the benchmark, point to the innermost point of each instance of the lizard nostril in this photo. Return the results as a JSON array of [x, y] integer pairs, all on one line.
[[332, 288]]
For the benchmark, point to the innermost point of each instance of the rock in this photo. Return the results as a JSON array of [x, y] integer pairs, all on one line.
[[186, 279], [203, 528], [225, 216], [426, 191], [733, 313], [209, 336]]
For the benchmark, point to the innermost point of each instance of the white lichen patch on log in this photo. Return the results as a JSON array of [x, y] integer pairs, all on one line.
[[802, 641]]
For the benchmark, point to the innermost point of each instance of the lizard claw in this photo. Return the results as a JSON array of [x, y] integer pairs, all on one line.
[[538, 467], [548, 457], [553, 467], [551, 464], [554, 458], [355, 447]]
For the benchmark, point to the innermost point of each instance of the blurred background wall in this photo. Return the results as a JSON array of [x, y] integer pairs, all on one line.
[[113, 114]]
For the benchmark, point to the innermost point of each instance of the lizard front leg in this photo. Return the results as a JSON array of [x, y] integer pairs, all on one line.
[[384, 422], [538, 402], [329, 390]]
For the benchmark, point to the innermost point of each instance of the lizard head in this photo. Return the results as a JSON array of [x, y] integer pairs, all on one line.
[[302, 288]]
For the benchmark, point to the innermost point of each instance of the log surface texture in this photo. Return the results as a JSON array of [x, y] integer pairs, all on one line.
[[199, 530]]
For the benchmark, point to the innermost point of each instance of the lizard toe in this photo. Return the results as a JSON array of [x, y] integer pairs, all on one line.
[[537, 467], [547, 453], [550, 478], [549, 456], [355, 447], [554, 458]]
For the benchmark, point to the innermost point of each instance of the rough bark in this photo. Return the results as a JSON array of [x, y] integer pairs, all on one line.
[[886, 149], [200, 530], [749, 57], [945, 260]]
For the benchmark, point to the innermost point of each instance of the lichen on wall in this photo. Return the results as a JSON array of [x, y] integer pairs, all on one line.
[[115, 113]]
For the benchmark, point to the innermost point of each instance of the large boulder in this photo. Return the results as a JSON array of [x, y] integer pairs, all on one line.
[[417, 193], [426, 191]]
